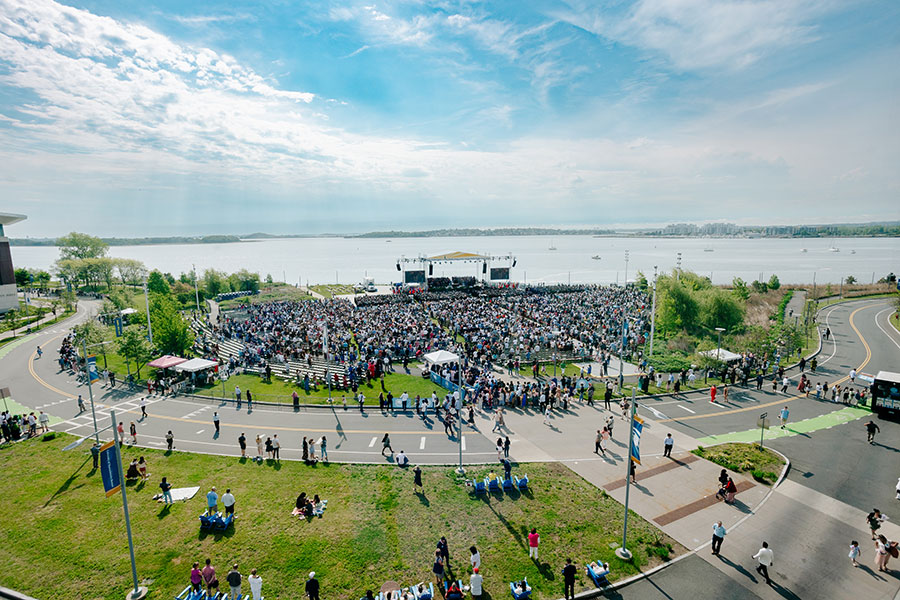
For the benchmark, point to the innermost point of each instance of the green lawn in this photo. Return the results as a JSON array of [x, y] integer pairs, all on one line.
[[63, 539], [333, 289], [274, 294], [280, 390], [763, 464]]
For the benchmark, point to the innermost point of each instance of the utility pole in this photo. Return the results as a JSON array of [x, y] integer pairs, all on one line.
[[624, 553], [626, 268], [138, 591], [87, 374], [653, 311], [196, 290], [147, 300]]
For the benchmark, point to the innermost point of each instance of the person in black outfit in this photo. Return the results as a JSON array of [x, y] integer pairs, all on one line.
[[607, 396], [506, 444], [569, 579], [444, 550], [417, 479], [242, 442], [312, 587]]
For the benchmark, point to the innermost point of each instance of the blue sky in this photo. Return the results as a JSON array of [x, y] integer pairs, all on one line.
[[161, 118]]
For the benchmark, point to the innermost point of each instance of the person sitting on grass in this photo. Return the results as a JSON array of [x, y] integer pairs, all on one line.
[[453, 592], [492, 476], [133, 472], [318, 506], [423, 592]]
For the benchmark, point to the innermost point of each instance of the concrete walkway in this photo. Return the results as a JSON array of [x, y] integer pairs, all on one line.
[[794, 308]]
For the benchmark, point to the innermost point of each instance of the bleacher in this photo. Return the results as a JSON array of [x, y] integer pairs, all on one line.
[[231, 348]]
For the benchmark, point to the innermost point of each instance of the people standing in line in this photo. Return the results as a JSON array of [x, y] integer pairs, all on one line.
[[242, 442], [668, 444], [506, 444], [268, 447], [312, 586], [216, 421], [228, 501], [259, 448], [170, 440], [132, 429], [499, 448], [209, 577], [234, 582], [718, 536], [438, 568], [249, 400], [44, 421], [276, 447], [166, 488], [568, 572], [871, 429], [323, 446], [196, 577], [765, 557], [783, 416], [237, 394], [854, 553], [255, 582], [212, 501], [386, 444], [534, 541], [417, 480]]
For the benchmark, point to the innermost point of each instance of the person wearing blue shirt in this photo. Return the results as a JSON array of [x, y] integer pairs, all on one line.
[[212, 501], [718, 536]]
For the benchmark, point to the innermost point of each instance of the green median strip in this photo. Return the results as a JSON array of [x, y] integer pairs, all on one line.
[[838, 417], [15, 408]]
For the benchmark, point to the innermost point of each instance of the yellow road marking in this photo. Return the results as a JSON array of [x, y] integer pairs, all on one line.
[[791, 399], [37, 377]]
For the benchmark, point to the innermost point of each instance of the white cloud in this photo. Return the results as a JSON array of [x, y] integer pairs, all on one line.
[[698, 34]]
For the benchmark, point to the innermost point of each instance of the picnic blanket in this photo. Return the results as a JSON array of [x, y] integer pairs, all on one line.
[[182, 494]]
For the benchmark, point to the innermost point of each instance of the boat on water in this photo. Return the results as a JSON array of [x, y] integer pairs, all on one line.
[[552, 247], [709, 249], [834, 249], [804, 250], [853, 252], [595, 257]]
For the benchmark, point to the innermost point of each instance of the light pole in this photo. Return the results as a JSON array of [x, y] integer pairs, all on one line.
[[624, 553], [653, 312], [196, 290], [462, 398], [87, 375], [147, 301], [622, 353], [138, 591], [719, 330], [678, 266], [626, 268]]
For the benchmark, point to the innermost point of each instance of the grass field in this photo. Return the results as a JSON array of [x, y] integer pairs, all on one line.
[[332, 289], [273, 294], [280, 391], [63, 539], [763, 464]]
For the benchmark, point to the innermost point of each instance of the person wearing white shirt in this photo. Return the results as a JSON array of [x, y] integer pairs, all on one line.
[[228, 501], [255, 582], [475, 558], [402, 459], [475, 584], [765, 557]]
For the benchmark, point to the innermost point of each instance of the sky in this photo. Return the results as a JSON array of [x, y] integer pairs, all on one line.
[[186, 118]]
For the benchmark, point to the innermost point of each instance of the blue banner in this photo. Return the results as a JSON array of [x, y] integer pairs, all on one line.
[[637, 426], [110, 469], [118, 323], [92, 368]]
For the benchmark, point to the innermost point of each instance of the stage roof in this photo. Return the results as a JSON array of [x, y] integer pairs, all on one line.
[[10, 218], [458, 256]]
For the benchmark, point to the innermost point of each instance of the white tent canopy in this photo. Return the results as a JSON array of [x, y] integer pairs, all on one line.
[[440, 357], [196, 364], [127, 311], [721, 354]]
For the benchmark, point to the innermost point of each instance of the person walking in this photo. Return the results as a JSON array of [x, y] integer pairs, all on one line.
[[610, 421], [881, 553], [166, 488], [438, 568], [121, 429], [312, 586], [547, 414], [81, 408], [170, 440], [228, 501], [216, 422], [417, 480], [242, 442], [386, 444], [765, 557], [718, 536], [784, 384], [712, 393], [255, 582], [234, 582], [598, 443], [783, 416], [534, 541], [875, 519], [871, 429], [854, 553], [668, 444], [132, 429], [568, 572], [144, 408]]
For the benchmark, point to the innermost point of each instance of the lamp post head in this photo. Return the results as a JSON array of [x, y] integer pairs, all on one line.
[[720, 329]]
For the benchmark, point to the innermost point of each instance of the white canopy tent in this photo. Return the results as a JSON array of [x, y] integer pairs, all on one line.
[[440, 357], [195, 364], [721, 354], [127, 311]]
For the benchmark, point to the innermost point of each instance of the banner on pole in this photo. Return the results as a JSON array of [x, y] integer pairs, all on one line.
[[110, 469], [118, 323], [637, 427], [92, 369]]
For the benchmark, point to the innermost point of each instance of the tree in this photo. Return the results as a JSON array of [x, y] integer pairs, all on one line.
[[131, 271], [23, 277], [171, 334], [641, 281], [850, 280], [774, 282], [739, 288], [43, 279], [157, 283], [214, 283], [134, 347], [677, 308], [760, 287], [718, 308], [81, 245]]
